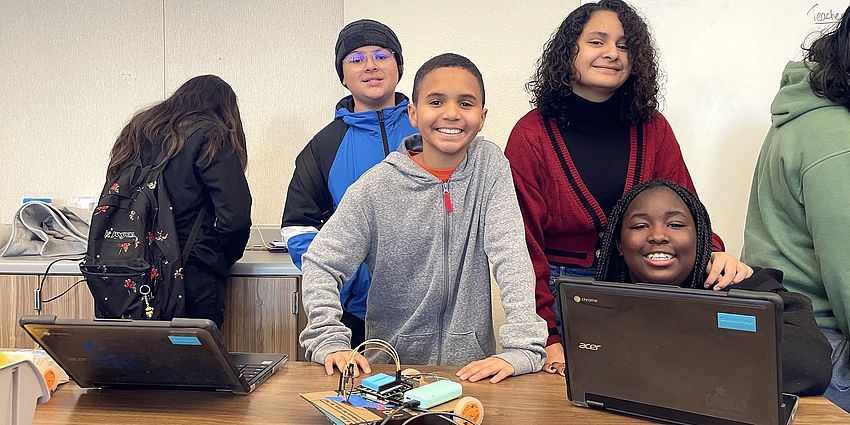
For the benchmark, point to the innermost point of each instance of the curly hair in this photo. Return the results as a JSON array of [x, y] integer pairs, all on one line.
[[612, 267], [551, 83], [830, 76]]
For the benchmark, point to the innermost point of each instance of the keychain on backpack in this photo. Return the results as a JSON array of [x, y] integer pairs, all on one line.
[[145, 291]]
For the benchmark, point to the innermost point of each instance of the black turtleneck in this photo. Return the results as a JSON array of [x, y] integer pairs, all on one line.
[[598, 142]]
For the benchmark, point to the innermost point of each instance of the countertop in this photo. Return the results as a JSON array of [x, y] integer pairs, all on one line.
[[253, 263]]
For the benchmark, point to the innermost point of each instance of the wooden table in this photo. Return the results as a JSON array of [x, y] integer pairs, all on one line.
[[538, 398]]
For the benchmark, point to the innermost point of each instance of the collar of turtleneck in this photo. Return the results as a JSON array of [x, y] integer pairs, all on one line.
[[586, 116]]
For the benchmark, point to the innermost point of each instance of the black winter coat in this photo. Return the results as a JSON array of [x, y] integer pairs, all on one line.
[[219, 188], [806, 353]]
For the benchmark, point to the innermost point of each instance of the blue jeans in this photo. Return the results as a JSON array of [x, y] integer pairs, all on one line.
[[554, 273], [838, 391]]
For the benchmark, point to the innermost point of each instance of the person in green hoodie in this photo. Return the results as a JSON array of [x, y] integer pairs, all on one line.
[[799, 206]]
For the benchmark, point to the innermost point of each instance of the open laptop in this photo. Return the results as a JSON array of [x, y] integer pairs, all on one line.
[[121, 353], [677, 355]]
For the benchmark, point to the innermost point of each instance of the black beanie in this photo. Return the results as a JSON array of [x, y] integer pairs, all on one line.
[[366, 32]]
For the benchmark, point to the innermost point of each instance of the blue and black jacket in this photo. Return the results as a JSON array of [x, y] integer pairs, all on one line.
[[334, 159]]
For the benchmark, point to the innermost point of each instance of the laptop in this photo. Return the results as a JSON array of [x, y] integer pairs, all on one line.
[[685, 356], [121, 353]]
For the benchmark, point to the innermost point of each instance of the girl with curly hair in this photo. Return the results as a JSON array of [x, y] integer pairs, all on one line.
[[595, 133], [800, 199]]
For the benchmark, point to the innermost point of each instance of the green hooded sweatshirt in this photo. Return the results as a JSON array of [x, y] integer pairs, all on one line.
[[798, 219]]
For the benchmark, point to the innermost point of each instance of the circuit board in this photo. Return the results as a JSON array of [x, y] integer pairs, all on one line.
[[379, 388], [393, 394]]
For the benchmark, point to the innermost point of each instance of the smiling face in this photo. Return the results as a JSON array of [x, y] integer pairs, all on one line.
[[602, 62], [658, 238], [449, 112], [372, 82]]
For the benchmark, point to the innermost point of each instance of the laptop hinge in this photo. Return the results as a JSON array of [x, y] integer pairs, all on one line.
[[595, 404]]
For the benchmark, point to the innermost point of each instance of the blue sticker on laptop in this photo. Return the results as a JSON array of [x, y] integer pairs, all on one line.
[[736, 322], [184, 340]]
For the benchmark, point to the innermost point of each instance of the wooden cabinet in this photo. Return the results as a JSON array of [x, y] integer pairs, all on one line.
[[261, 313], [17, 298]]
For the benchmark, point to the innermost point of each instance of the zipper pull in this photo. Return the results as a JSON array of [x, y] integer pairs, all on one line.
[[447, 198]]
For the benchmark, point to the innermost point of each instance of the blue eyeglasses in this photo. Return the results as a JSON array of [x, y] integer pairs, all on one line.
[[380, 56]]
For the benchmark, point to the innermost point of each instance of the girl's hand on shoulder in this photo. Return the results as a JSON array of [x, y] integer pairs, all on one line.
[[481, 369], [725, 270]]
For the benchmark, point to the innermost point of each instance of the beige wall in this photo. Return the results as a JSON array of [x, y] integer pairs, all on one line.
[[722, 61], [503, 38], [74, 71], [77, 70]]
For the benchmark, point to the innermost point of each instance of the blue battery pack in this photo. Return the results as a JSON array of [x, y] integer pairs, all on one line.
[[377, 382]]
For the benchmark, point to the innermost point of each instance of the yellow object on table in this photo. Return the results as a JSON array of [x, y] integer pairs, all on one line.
[[51, 372]]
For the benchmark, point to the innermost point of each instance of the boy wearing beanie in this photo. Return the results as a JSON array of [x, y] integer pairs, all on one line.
[[368, 125]]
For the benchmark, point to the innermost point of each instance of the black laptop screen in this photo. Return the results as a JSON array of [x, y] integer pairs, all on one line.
[[692, 351], [118, 356]]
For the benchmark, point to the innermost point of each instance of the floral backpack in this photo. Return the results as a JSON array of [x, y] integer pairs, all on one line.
[[133, 264]]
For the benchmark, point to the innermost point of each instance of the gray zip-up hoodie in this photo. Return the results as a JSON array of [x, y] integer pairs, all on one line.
[[428, 245]]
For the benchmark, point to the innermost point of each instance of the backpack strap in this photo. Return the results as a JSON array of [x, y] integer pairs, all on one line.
[[159, 166], [184, 257]]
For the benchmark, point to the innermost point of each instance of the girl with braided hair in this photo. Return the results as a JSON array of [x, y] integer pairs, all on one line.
[[595, 132], [660, 233], [696, 249]]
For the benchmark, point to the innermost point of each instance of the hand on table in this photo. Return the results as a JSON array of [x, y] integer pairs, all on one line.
[[481, 369]]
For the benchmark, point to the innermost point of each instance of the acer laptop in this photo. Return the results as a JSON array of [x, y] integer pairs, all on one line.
[[121, 353], [685, 356]]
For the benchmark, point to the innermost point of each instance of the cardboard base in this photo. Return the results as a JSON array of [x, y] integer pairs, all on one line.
[[341, 413]]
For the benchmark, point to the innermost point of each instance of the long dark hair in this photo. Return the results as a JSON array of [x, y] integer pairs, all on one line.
[[551, 83], [830, 76], [206, 98], [613, 268]]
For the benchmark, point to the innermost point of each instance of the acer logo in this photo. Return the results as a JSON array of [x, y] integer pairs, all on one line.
[[588, 346]]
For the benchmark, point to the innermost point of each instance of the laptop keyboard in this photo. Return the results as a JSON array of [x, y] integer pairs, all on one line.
[[250, 371]]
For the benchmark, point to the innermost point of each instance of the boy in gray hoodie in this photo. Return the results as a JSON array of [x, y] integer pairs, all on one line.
[[428, 221]]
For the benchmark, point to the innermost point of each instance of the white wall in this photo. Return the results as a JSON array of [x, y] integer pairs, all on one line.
[[278, 57], [74, 71], [723, 60], [503, 38]]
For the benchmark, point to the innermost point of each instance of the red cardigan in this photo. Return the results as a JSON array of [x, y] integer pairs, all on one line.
[[563, 222]]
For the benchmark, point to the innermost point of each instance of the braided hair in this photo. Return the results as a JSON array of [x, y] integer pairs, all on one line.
[[612, 267]]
